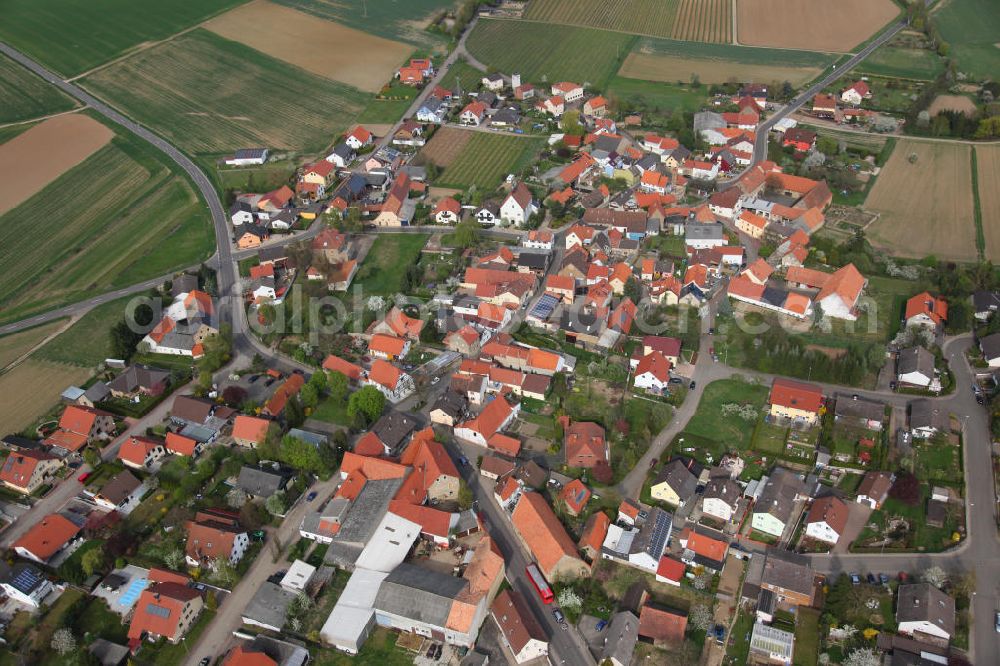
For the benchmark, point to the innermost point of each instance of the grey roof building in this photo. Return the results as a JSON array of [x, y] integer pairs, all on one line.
[[361, 521], [779, 494], [107, 653], [623, 634], [679, 478], [703, 232], [915, 361], [264, 482], [97, 392], [990, 346], [185, 282], [859, 409], [923, 608], [139, 377], [268, 607], [394, 429], [927, 416], [418, 594]]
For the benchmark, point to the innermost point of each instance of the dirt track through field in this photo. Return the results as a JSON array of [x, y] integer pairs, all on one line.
[[36, 157], [812, 25], [925, 205], [322, 47], [668, 69]]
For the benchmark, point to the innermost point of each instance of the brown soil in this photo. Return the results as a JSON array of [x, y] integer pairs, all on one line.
[[322, 47], [958, 103], [813, 25], [446, 145], [35, 158], [669, 69]]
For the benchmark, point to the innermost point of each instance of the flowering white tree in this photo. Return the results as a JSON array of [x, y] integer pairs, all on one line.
[[700, 617], [568, 598], [236, 498], [863, 657], [63, 641], [173, 558], [935, 576]]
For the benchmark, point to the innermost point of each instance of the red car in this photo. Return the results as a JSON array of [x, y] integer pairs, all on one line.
[[83, 477]]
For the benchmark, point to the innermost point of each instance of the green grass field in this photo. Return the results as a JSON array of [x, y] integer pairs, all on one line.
[[73, 37], [120, 217], [245, 99], [972, 28], [742, 54], [541, 51], [24, 96], [487, 159], [392, 19], [383, 268], [903, 63], [463, 75], [731, 430], [663, 96], [86, 343]]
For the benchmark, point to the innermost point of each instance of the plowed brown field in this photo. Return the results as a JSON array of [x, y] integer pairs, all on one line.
[[812, 25]]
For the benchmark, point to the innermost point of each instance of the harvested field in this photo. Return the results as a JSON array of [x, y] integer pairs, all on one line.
[[16, 345], [72, 37], [120, 216], [988, 167], [24, 95], [245, 99], [486, 159], [926, 206], [818, 25], [545, 51], [35, 158], [956, 103], [704, 21], [330, 50], [446, 145], [392, 19], [31, 388], [670, 61]]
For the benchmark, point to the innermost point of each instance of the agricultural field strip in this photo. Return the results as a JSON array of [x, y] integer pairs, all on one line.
[[988, 163], [486, 159], [399, 21], [24, 96], [165, 88], [819, 25]]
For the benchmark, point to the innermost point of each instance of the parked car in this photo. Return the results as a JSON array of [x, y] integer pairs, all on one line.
[[600, 625], [692, 385], [558, 615], [871, 579], [996, 619], [430, 651], [311, 496], [882, 578], [855, 579], [83, 477], [676, 380], [720, 634]]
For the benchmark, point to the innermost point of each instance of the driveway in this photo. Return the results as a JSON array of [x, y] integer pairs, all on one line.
[[857, 518]]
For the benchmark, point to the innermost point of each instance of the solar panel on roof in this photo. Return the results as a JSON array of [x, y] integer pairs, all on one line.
[[26, 579], [158, 611]]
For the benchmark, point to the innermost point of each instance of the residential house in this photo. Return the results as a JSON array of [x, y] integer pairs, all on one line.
[[397, 323], [520, 631], [661, 624], [827, 519], [824, 106], [26, 584], [704, 236], [641, 547], [721, 498], [926, 311], [802, 140], [79, 426], [546, 539], [985, 303], [518, 207], [395, 212], [874, 488], [776, 504], [571, 92], [392, 382], [750, 224], [924, 611], [336, 364], [675, 483], [787, 575], [122, 493], [595, 531], [388, 347], [574, 497], [538, 240], [861, 412], [495, 417], [620, 640], [795, 401], [215, 535], [473, 114], [855, 93], [927, 419], [670, 571], [410, 133], [652, 372], [585, 444], [46, 538], [141, 452], [448, 409], [990, 348], [250, 431], [359, 137], [838, 292], [702, 550], [431, 461], [275, 405], [26, 471], [264, 481], [139, 380], [464, 341], [915, 367], [433, 110], [447, 211], [164, 610]]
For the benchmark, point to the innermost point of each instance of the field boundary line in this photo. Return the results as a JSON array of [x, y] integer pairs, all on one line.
[[39, 119], [26, 355], [977, 212], [640, 34]]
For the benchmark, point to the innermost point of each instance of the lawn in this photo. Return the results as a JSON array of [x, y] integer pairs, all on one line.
[[72, 37], [971, 28], [98, 620], [384, 111], [936, 461], [332, 411], [769, 438], [15, 345], [548, 52], [122, 216], [739, 650], [245, 99], [917, 535], [731, 430], [393, 20], [24, 95], [488, 158], [657, 96], [904, 63], [463, 75], [380, 648], [382, 271], [806, 636]]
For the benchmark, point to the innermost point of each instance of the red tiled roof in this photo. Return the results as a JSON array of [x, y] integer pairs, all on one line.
[[386, 344], [670, 569], [20, 466], [706, 546], [429, 456], [432, 521], [336, 364], [542, 532], [179, 444], [241, 656], [44, 539], [797, 395], [290, 387], [135, 449], [575, 495], [662, 624], [925, 304], [585, 440], [489, 420], [505, 444], [595, 531], [385, 374], [656, 364], [250, 428], [170, 599], [831, 510]]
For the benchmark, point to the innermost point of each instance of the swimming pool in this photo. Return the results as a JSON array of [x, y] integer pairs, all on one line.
[[132, 592]]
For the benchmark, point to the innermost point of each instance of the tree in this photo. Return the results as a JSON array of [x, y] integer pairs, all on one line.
[[223, 570], [936, 576], [700, 617], [123, 340], [173, 558], [92, 561], [465, 497], [365, 405], [906, 489], [633, 290], [465, 233], [294, 412], [266, 314], [862, 657], [275, 504], [234, 395], [63, 641], [570, 123], [236, 498], [827, 145], [337, 386], [318, 381], [309, 395]]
